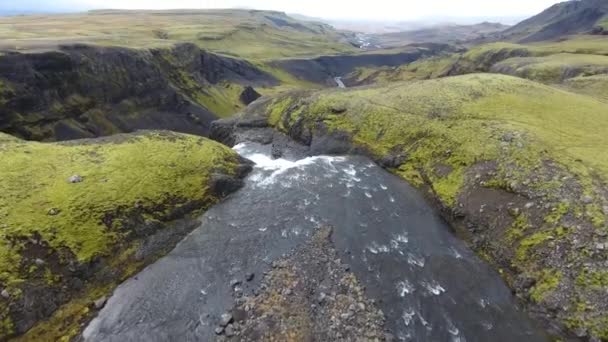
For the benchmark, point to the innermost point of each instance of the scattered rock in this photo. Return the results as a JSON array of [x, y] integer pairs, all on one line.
[[587, 199], [100, 303], [601, 246], [54, 211], [235, 282], [514, 212], [250, 276], [5, 294], [508, 137], [229, 330], [219, 330], [39, 262], [529, 205], [226, 319], [75, 179]]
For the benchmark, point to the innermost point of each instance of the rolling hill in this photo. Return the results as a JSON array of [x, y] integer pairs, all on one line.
[[566, 18]]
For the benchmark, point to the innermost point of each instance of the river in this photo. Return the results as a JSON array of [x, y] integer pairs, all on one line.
[[429, 285]]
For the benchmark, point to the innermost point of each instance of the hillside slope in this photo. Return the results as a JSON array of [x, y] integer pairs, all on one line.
[[562, 19], [439, 34], [78, 218], [518, 166], [240, 33], [88, 91]]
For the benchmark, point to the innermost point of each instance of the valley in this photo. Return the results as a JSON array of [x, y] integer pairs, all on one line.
[[248, 175]]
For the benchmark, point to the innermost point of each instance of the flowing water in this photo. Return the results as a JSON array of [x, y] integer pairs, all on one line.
[[430, 286]]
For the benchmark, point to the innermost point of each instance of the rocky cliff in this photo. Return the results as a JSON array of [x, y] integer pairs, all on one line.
[[84, 91]]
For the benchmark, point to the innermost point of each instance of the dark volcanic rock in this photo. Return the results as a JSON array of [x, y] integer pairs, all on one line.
[[86, 91], [323, 69], [249, 95]]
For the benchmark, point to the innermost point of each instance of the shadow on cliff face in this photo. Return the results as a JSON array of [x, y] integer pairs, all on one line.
[[85, 91]]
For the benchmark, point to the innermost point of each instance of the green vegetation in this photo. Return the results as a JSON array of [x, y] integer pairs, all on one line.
[[585, 44], [604, 23], [422, 69], [153, 170], [243, 33], [536, 137], [548, 281], [454, 121], [553, 68], [150, 176], [596, 85]]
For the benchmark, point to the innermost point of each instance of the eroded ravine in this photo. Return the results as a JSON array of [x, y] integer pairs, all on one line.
[[429, 286]]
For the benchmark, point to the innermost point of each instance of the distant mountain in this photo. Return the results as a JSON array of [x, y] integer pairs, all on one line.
[[566, 18], [448, 33]]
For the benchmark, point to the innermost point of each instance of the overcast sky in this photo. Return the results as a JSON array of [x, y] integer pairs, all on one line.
[[333, 9]]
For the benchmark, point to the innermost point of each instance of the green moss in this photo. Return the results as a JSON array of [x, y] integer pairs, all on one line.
[[518, 228], [557, 213], [554, 68], [596, 279], [603, 23], [278, 110], [457, 122], [531, 242], [153, 170], [421, 69], [548, 281], [595, 215], [243, 33], [596, 86]]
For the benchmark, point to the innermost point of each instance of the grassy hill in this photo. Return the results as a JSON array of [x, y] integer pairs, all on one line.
[[241, 33], [519, 165], [74, 215]]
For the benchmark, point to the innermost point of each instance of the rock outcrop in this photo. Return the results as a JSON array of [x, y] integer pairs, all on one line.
[[89, 91]]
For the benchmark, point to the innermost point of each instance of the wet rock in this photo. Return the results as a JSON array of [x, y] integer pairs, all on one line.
[[392, 161], [226, 319], [222, 185], [100, 303], [75, 179]]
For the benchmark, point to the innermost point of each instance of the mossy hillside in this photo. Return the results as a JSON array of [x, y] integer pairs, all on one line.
[[427, 68], [243, 33], [584, 44], [287, 81], [474, 107], [481, 58], [546, 145], [158, 174], [596, 86], [604, 23], [553, 68]]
